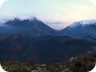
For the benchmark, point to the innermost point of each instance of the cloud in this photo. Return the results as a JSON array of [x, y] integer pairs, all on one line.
[[58, 22]]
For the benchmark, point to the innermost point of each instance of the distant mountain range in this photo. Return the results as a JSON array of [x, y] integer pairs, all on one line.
[[81, 30], [33, 41]]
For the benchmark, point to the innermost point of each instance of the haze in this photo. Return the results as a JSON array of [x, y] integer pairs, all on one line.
[[55, 13]]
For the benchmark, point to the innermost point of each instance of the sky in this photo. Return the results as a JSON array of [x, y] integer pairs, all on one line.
[[55, 13]]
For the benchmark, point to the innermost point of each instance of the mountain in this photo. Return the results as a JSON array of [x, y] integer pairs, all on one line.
[[42, 49], [32, 27], [33, 41], [81, 30]]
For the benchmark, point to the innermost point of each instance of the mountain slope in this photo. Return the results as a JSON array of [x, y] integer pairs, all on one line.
[[81, 30], [44, 49], [33, 41], [31, 27]]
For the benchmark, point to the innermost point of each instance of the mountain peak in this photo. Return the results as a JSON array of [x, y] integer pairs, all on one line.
[[18, 21], [83, 23], [32, 27], [85, 29], [88, 21], [34, 19]]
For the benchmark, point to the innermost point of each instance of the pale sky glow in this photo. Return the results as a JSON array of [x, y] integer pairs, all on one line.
[[63, 11], [93, 1]]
